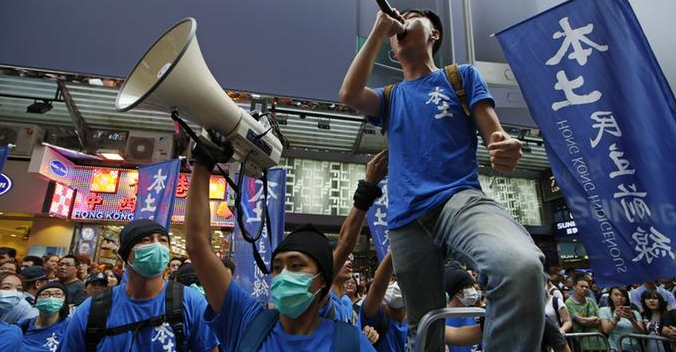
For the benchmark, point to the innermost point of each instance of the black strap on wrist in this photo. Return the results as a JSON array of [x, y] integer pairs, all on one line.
[[366, 194]]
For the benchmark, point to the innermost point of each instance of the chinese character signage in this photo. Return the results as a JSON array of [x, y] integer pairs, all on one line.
[[156, 191], [376, 217], [248, 275], [608, 118]]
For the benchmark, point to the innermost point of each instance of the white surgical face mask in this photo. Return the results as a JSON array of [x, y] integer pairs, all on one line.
[[468, 297], [393, 296]]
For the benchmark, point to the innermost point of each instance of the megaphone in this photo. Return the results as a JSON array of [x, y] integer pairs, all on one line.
[[173, 77]]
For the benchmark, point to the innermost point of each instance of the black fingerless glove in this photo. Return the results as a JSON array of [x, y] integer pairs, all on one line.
[[365, 195], [212, 150]]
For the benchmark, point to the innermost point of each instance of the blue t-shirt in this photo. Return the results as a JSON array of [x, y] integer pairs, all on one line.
[[10, 337], [396, 336], [457, 323], [239, 309], [197, 335], [342, 308], [432, 145], [44, 339]]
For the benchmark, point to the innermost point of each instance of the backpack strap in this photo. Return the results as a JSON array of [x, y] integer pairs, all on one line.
[[257, 330], [173, 311], [555, 304], [455, 79], [387, 93], [98, 317], [346, 338]]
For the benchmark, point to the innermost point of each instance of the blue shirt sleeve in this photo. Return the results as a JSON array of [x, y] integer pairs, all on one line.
[[475, 86], [201, 337], [378, 120], [10, 337], [372, 321], [74, 336], [237, 311]]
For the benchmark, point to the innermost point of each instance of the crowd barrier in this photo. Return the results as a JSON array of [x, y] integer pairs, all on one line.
[[648, 343], [580, 341], [442, 313]]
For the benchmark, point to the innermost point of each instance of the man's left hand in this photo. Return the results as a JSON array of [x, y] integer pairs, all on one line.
[[504, 151]]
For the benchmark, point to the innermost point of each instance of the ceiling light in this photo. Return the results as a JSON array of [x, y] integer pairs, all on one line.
[[110, 154], [39, 108]]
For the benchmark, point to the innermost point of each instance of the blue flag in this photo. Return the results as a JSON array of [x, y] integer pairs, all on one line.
[[608, 118], [4, 152], [156, 191], [376, 217], [248, 275]]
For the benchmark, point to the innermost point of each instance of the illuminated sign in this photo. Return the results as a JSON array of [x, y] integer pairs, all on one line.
[[62, 199], [58, 168], [105, 181], [49, 163], [119, 205], [5, 184]]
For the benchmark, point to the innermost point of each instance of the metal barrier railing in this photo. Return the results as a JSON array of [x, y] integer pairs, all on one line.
[[587, 341], [647, 343], [442, 313]]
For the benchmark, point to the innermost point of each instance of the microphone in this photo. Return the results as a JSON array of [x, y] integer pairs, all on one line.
[[387, 9]]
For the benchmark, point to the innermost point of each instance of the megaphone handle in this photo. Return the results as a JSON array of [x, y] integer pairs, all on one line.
[[175, 116]]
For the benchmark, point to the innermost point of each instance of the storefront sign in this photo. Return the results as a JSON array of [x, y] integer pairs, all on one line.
[[49, 163], [61, 201], [119, 203], [5, 184]]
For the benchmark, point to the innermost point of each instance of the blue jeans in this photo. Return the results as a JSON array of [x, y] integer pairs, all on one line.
[[476, 230]]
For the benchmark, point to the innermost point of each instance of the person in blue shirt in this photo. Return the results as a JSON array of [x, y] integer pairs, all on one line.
[[384, 309], [13, 305], [10, 337], [302, 273], [45, 333], [459, 285], [144, 247], [436, 207], [339, 305]]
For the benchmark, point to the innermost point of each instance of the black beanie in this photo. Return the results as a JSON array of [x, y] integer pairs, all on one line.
[[65, 309], [312, 242], [455, 279], [134, 231]]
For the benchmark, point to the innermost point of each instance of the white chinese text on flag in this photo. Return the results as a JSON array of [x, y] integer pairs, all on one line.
[[156, 191]]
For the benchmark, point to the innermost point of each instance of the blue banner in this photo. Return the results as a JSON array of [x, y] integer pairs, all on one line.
[[247, 274], [157, 191], [4, 152], [376, 217], [608, 118]]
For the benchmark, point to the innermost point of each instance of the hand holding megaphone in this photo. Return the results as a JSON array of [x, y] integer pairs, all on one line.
[[385, 7]]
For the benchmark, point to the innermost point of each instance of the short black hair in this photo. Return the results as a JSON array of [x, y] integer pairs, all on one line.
[[229, 264], [647, 312], [33, 258], [75, 259], [436, 22], [11, 252]]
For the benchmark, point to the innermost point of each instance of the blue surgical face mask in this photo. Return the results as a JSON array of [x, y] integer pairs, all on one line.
[[150, 260], [49, 306], [9, 299], [289, 292]]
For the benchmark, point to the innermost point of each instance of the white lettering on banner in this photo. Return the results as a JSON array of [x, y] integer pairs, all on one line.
[[605, 124], [567, 86], [52, 343], [651, 245], [381, 217], [149, 204], [164, 336], [383, 200], [437, 96], [636, 206], [158, 183], [574, 38], [622, 164], [258, 209]]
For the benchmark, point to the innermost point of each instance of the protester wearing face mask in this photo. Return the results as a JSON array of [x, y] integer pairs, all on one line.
[[384, 310], [461, 293], [13, 307], [45, 333], [302, 274], [141, 317]]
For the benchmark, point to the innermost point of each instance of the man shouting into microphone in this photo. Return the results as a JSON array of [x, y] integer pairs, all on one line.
[[436, 206]]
